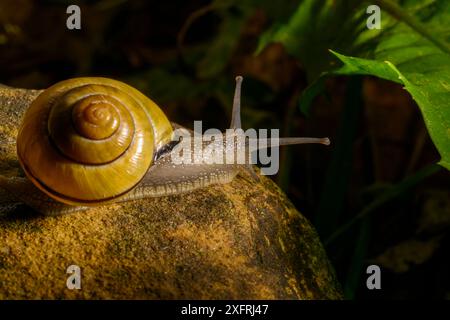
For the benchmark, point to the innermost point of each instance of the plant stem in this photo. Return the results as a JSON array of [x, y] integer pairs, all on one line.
[[339, 171]]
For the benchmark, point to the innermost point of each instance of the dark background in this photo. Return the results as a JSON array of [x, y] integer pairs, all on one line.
[[185, 55]]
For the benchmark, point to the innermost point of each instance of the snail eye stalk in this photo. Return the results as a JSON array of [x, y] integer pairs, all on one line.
[[236, 113], [266, 143]]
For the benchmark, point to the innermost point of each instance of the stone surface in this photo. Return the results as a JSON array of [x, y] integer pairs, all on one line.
[[242, 240]]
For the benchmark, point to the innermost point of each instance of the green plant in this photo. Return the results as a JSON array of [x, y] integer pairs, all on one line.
[[330, 38]]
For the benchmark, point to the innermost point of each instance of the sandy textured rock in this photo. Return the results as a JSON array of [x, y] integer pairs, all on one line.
[[240, 240]]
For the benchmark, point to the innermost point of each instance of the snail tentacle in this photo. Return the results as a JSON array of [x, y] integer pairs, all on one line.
[[236, 111]]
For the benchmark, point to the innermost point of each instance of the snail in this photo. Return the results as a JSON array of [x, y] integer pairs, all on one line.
[[92, 141]]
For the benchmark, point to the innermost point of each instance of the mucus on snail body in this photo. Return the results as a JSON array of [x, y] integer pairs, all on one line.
[[91, 141]]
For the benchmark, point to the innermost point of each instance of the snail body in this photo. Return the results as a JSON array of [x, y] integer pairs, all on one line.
[[90, 141]]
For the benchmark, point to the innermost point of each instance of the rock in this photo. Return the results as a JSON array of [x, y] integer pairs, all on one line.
[[236, 241], [242, 240]]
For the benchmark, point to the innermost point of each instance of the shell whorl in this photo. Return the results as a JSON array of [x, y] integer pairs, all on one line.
[[90, 140]]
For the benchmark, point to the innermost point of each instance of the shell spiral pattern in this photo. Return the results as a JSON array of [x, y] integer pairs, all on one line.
[[90, 140]]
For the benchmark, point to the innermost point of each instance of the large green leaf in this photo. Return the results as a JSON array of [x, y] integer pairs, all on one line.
[[429, 88], [412, 49], [418, 62]]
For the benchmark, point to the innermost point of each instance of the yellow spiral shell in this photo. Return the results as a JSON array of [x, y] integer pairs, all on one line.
[[86, 141]]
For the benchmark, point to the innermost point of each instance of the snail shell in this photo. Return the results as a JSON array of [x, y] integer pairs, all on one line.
[[86, 141]]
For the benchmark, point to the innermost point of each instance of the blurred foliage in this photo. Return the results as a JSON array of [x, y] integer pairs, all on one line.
[[376, 195], [401, 257], [412, 53], [311, 31], [412, 48]]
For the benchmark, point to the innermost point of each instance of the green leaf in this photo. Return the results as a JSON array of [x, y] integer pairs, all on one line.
[[318, 25], [431, 91], [358, 66], [406, 56], [412, 49]]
